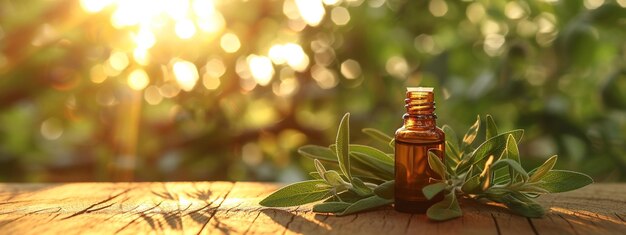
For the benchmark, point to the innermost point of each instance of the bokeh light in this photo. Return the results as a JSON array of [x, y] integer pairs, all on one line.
[[311, 11], [186, 74], [261, 69], [230, 43], [185, 29], [351, 69], [138, 79], [51, 129], [340, 15]]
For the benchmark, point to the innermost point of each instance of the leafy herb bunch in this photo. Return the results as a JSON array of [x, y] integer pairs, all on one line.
[[491, 171]]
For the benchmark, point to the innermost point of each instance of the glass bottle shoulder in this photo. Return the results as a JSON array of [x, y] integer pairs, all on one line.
[[420, 135]]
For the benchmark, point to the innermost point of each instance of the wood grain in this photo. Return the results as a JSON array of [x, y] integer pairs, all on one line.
[[232, 208]]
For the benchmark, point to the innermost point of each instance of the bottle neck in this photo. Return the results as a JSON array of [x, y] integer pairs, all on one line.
[[419, 121], [420, 110]]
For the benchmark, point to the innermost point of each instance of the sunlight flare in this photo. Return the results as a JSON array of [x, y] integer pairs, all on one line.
[[186, 74]]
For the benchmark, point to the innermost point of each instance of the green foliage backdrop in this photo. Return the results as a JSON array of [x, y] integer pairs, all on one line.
[[554, 68]]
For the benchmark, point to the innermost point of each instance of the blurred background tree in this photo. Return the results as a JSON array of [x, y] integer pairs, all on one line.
[[149, 90]]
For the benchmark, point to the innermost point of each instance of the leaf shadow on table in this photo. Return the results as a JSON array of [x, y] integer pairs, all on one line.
[[163, 218], [294, 222]]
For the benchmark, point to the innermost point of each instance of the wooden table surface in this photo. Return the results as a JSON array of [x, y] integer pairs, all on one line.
[[231, 208]]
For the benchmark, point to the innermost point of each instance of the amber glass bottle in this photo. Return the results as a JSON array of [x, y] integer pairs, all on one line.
[[413, 140]]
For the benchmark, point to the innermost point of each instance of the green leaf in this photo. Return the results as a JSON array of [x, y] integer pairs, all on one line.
[[513, 167], [511, 148], [472, 185], [530, 188], [372, 153], [556, 181], [531, 210], [510, 152], [363, 171], [360, 188], [453, 157], [471, 134], [315, 175], [446, 209], [333, 178], [343, 145], [523, 205], [379, 168], [331, 207], [299, 193], [542, 170], [385, 190], [493, 146], [492, 129], [451, 136], [321, 170], [436, 165], [317, 152], [366, 204], [377, 135], [433, 189], [345, 196]]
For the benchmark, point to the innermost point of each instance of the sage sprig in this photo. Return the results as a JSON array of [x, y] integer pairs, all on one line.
[[490, 170]]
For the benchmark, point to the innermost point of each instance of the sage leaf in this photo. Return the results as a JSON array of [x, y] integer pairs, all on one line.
[[513, 167], [533, 189], [522, 205], [486, 176], [493, 146], [333, 178], [377, 135], [317, 152], [446, 209], [372, 153], [542, 170], [451, 136], [452, 158], [492, 129], [378, 167], [330, 207], [343, 148], [366, 204], [556, 181], [298, 194], [315, 175], [360, 188], [472, 185], [321, 170], [511, 148], [436, 165], [363, 171], [510, 152], [431, 190], [345, 196], [531, 210], [471, 134], [385, 190]]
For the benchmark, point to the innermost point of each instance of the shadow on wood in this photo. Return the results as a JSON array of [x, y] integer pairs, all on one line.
[[295, 223]]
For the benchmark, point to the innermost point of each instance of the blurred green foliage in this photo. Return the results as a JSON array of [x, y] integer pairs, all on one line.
[[554, 68]]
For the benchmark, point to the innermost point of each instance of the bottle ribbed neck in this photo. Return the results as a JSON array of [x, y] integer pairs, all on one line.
[[420, 107]]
